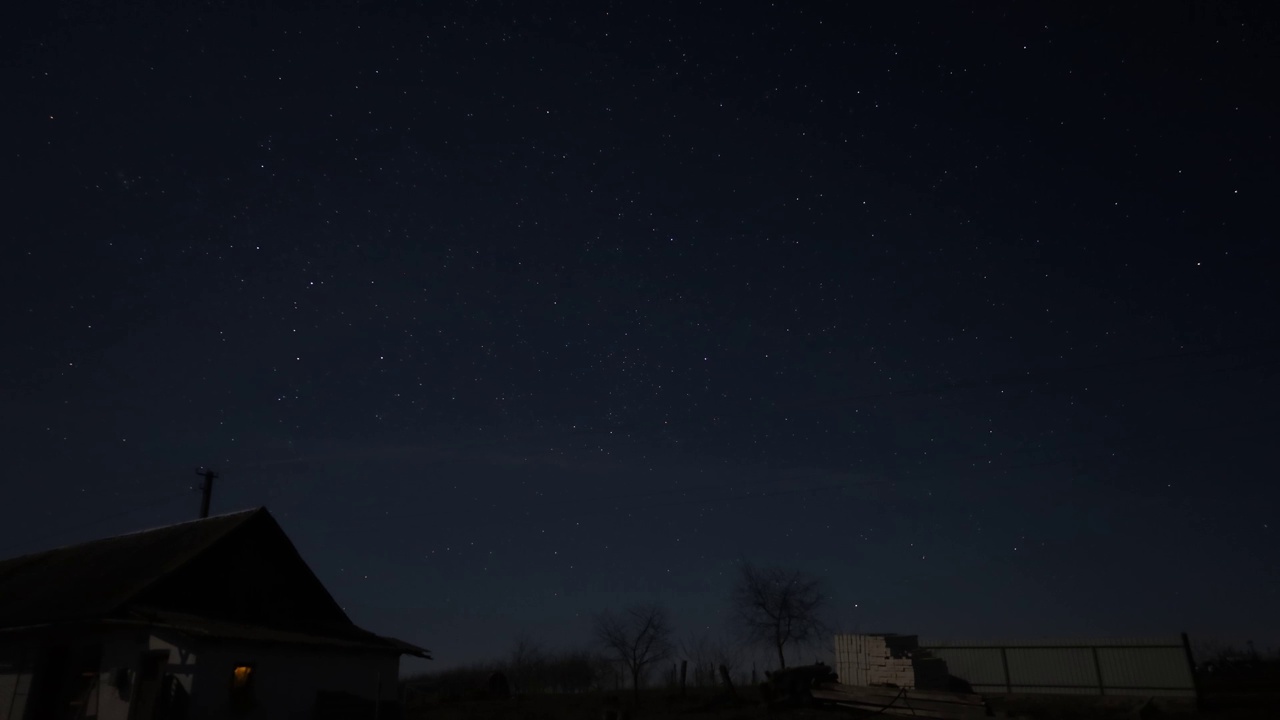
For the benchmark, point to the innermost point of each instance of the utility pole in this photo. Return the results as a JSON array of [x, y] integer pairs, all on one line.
[[207, 488]]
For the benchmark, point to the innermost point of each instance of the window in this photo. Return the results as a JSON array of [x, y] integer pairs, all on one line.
[[242, 688]]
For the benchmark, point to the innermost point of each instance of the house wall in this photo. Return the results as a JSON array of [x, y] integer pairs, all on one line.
[[120, 650], [15, 679], [182, 657], [286, 679], [19, 659]]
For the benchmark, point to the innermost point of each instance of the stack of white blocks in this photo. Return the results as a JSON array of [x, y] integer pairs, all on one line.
[[898, 661], [888, 659]]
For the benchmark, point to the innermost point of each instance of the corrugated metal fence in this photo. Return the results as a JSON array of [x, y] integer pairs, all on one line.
[[1159, 667]]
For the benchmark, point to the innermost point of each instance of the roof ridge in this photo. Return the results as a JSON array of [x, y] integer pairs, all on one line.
[[248, 512], [186, 558], [98, 577]]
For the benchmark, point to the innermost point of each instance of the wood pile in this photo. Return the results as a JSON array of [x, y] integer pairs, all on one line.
[[901, 702], [816, 683]]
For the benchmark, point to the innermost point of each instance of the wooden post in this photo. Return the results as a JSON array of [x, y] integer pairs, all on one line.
[[1191, 667], [684, 668], [1004, 660], [1097, 668], [207, 490], [728, 682]]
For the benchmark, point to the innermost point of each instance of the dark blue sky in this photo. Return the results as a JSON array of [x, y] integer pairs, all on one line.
[[515, 312]]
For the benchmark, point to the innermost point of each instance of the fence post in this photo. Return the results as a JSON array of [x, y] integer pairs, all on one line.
[[1004, 660], [728, 683], [1097, 668], [1191, 667]]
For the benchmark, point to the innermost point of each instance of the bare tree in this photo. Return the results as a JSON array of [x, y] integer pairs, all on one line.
[[776, 607], [705, 655], [527, 658], [607, 671], [639, 637], [574, 671]]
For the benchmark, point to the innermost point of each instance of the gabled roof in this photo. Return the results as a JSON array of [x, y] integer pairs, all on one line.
[[237, 573], [95, 579]]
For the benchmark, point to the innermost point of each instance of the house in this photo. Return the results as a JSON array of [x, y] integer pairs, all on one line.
[[214, 618]]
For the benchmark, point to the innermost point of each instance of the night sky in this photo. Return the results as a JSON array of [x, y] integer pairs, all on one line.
[[513, 312]]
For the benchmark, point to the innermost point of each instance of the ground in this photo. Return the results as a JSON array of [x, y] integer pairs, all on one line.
[[1219, 704]]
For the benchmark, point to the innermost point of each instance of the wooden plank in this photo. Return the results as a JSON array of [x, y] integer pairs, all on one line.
[[936, 695], [887, 704], [908, 712]]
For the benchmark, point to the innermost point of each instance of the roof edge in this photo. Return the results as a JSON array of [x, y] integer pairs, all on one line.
[[406, 648], [182, 622], [244, 515]]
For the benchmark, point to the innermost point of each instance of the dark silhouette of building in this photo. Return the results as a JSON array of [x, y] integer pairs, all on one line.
[[219, 617]]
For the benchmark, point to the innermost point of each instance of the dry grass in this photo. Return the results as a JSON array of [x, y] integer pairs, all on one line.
[[697, 705], [1253, 703]]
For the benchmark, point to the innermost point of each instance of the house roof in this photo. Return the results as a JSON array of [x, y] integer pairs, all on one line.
[[212, 629], [110, 578], [96, 578]]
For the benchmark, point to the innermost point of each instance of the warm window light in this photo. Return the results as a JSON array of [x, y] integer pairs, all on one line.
[[241, 689]]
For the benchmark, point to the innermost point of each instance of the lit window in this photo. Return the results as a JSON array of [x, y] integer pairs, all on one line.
[[242, 688]]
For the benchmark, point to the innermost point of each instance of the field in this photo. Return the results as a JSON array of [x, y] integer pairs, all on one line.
[[1254, 702]]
